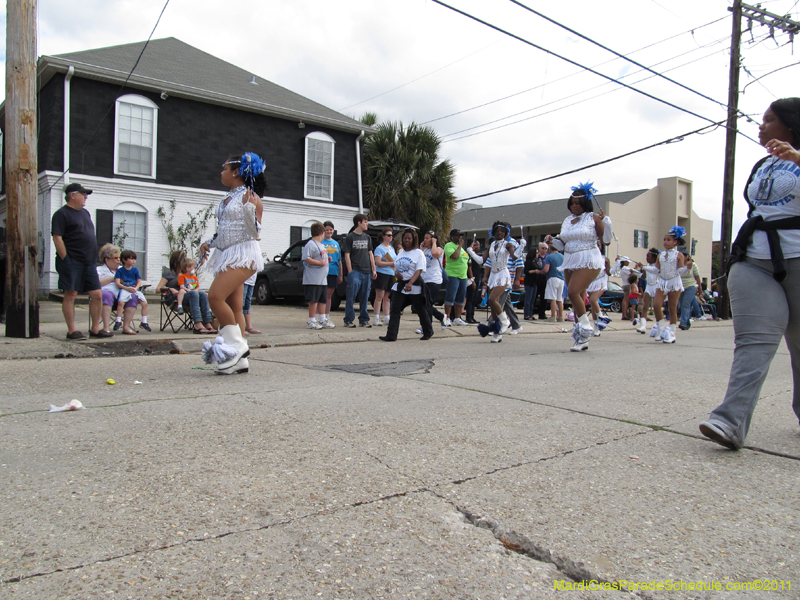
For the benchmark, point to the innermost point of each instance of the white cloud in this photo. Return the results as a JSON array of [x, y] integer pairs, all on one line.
[[341, 53]]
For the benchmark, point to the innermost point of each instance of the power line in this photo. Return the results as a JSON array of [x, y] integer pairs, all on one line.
[[578, 72], [574, 103], [572, 62], [122, 87], [672, 140], [614, 52]]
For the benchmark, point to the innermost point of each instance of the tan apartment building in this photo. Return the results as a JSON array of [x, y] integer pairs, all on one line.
[[640, 219]]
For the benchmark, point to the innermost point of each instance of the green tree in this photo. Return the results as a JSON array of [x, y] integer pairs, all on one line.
[[187, 236], [404, 178]]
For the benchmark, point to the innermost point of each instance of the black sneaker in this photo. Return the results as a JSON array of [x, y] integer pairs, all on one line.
[[117, 325], [367, 324], [346, 324], [145, 326], [179, 310]]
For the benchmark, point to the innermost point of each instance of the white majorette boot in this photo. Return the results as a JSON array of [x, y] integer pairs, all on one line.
[[641, 327], [581, 334], [658, 330], [504, 323], [243, 366], [595, 328], [669, 335], [227, 349]]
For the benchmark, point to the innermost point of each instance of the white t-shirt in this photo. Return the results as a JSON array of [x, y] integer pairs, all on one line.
[[783, 201], [103, 272], [313, 274], [433, 267], [406, 264]]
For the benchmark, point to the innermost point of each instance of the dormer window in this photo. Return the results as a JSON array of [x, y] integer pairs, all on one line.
[[135, 136], [319, 166]]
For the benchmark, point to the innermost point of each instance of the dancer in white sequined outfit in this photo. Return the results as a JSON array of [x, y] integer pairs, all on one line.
[[583, 261], [236, 257], [670, 265], [652, 273]]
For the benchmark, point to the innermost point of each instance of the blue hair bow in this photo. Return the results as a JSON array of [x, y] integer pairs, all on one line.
[[677, 231], [252, 166], [586, 188]]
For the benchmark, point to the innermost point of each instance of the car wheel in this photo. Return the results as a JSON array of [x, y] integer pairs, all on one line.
[[335, 301], [262, 292], [616, 306]]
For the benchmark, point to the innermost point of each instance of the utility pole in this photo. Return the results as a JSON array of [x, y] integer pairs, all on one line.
[[22, 309], [774, 22]]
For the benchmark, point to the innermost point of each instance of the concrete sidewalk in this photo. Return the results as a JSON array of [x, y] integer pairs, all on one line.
[[281, 325]]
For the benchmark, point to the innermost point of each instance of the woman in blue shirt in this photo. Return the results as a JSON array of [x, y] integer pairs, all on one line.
[[384, 265]]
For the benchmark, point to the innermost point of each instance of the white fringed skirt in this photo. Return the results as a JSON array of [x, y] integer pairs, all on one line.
[[670, 285], [599, 284], [583, 259], [500, 278], [246, 255]]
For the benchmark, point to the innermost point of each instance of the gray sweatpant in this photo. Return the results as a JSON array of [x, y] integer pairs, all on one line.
[[764, 312]]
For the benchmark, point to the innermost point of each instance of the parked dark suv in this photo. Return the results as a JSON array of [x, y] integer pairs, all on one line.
[[283, 276]]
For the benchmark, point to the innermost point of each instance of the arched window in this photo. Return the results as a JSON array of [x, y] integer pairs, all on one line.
[[319, 166], [130, 232], [135, 136]]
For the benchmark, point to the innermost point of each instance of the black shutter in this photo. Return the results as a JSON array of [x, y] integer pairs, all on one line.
[[104, 226], [295, 234], [646, 239]]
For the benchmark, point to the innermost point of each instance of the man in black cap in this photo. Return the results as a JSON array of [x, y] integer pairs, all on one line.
[[76, 258]]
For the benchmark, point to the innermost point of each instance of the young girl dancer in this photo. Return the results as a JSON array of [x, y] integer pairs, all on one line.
[[651, 269], [497, 277], [236, 256], [579, 235], [670, 264]]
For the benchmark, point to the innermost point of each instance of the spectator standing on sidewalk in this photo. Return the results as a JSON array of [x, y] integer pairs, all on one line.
[[76, 254], [691, 288], [315, 275], [534, 264], [384, 265], [474, 288], [357, 251], [456, 266], [554, 286], [335, 271]]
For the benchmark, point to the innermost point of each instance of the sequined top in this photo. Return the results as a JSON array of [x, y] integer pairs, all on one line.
[[581, 236], [499, 255], [236, 221], [668, 260]]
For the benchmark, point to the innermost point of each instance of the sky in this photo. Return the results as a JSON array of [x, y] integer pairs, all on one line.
[[418, 61]]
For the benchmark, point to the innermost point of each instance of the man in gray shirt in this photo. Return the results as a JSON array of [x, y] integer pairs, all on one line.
[[360, 262]]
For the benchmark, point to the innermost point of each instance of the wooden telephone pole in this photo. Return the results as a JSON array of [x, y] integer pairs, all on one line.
[[22, 309], [774, 22]]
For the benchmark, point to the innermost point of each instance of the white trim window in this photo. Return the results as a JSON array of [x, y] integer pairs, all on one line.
[[130, 232], [318, 180], [136, 120]]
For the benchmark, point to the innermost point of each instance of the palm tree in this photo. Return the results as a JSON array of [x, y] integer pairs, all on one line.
[[405, 180]]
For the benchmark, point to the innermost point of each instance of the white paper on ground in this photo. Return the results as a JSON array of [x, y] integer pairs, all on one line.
[[72, 405]]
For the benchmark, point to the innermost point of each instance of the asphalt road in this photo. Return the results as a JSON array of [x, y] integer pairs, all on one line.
[[452, 468]]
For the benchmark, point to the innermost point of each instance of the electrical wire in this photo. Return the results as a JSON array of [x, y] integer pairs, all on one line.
[[770, 73], [579, 72], [615, 53], [672, 140], [580, 101], [122, 87], [577, 64]]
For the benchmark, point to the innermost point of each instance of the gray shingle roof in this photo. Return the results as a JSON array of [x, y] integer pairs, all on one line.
[[179, 69], [529, 214]]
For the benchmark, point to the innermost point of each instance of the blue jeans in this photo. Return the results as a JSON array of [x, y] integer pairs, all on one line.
[[530, 300], [685, 305], [247, 299], [455, 291], [198, 304], [358, 285]]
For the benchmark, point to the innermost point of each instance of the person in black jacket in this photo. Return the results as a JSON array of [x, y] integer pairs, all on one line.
[[534, 263]]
